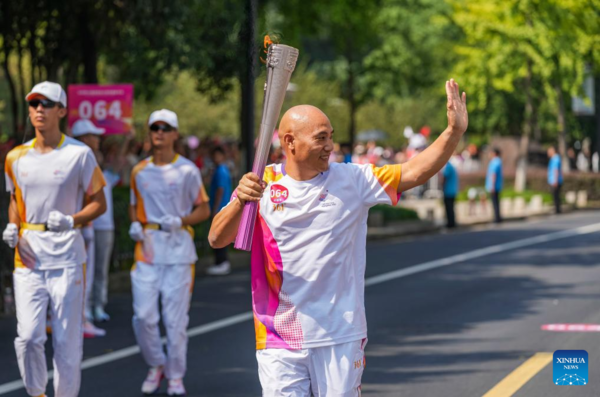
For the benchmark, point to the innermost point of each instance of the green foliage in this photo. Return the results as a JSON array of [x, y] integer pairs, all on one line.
[[368, 64], [510, 193], [197, 114], [501, 36], [393, 214]]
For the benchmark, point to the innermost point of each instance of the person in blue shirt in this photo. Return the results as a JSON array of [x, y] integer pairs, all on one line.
[[219, 194], [450, 191], [493, 182], [555, 176]]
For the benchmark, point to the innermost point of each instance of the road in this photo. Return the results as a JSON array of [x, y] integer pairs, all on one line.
[[449, 315]]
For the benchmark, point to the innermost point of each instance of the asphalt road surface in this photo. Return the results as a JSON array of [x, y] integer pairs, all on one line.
[[449, 315]]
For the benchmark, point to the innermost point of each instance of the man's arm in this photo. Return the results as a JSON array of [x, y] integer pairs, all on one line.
[[420, 168], [13, 213], [94, 208], [224, 227], [198, 214], [218, 199], [132, 213]]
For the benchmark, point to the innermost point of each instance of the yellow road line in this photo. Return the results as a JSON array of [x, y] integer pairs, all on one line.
[[517, 378]]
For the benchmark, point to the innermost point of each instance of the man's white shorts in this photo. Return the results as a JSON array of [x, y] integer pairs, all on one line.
[[329, 371]]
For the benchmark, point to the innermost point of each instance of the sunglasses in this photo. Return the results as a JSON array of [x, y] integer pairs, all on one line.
[[46, 103], [161, 127]]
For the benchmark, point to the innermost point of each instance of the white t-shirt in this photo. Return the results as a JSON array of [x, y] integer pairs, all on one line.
[[106, 221], [156, 191], [309, 254], [57, 180]]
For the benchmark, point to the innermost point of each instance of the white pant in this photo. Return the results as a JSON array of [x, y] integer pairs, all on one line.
[[329, 371], [103, 241], [63, 291], [88, 237], [173, 283]]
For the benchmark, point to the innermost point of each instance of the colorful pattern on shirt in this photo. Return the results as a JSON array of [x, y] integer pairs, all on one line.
[[309, 254]]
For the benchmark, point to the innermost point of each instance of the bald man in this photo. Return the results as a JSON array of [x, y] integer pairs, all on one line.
[[309, 250]]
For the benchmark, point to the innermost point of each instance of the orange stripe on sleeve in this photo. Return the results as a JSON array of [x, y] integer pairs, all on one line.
[[389, 177], [97, 182], [202, 196], [11, 158], [271, 175], [140, 211]]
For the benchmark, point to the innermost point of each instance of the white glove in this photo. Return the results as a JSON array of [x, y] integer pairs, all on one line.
[[136, 231], [59, 222], [169, 223], [11, 235]]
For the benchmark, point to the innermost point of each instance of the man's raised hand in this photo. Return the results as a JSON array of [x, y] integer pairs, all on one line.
[[458, 117]]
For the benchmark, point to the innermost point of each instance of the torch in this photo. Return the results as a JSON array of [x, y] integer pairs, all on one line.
[[281, 61]]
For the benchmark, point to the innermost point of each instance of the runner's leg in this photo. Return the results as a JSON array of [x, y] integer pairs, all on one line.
[[284, 373], [176, 290], [31, 301], [104, 240], [336, 371], [67, 293], [145, 282]]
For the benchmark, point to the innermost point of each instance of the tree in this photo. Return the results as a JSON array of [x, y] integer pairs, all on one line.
[[510, 48]]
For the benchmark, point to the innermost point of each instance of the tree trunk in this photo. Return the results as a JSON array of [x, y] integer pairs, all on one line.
[[247, 83], [22, 89], [562, 127], [89, 49], [597, 109], [521, 174], [13, 95]]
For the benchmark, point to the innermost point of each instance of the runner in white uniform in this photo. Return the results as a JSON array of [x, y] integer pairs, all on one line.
[[309, 250], [85, 131], [167, 198], [50, 178]]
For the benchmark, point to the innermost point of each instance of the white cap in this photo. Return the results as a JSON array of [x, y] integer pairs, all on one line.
[[164, 115], [52, 91], [83, 127]]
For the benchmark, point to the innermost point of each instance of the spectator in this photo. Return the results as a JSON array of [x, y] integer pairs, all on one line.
[[85, 131], [555, 176], [347, 152], [450, 191], [493, 182], [220, 192], [104, 228]]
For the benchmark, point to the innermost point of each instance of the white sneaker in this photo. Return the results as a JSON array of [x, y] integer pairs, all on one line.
[[101, 315], [152, 382], [91, 331], [176, 388], [219, 270]]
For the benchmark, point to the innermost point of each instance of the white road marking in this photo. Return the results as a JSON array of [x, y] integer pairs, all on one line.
[[423, 267]]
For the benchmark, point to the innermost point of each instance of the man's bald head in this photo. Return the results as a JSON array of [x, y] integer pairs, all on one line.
[[306, 137], [302, 119]]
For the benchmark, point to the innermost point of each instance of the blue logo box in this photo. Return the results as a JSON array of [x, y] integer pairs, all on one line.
[[570, 368]]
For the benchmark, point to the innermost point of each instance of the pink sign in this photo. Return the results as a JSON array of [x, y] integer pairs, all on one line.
[[107, 106]]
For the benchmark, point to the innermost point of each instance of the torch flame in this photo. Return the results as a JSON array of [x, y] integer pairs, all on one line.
[[267, 41]]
